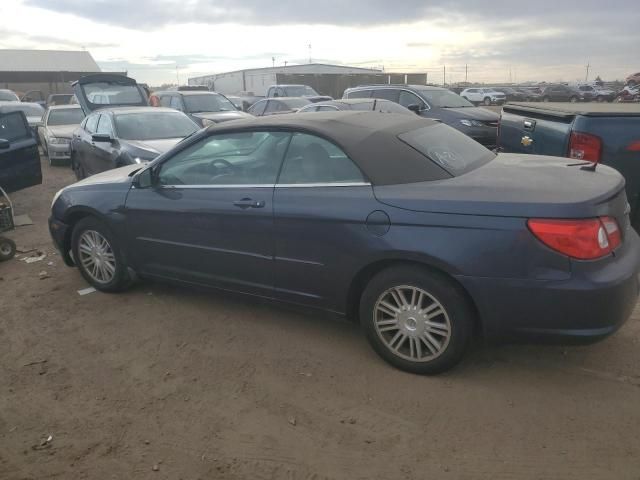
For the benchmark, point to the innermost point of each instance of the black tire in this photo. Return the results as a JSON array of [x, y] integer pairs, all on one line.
[[573, 99], [600, 99], [545, 99], [7, 249], [441, 290], [487, 101], [121, 279]]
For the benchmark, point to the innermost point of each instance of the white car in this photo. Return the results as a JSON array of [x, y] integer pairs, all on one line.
[[486, 96], [58, 124]]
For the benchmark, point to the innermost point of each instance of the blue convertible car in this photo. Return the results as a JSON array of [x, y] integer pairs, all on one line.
[[420, 233]]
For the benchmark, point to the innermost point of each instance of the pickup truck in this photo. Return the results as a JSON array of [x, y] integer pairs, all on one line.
[[594, 133]]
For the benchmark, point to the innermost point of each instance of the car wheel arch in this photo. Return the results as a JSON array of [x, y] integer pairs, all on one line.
[[71, 219], [366, 273]]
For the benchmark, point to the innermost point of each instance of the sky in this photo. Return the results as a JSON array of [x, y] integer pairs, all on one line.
[[166, 41]]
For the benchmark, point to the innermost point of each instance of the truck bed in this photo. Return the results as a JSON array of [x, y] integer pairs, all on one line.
[[567, 110]]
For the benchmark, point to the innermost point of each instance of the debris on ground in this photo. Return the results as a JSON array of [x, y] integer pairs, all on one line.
[[155, 468], [43, 275], [86, 291], [22, 220], [19, 250], [50, 264], [292, 421], [39, 256], [305, 374], [37, 362], [44, 443]]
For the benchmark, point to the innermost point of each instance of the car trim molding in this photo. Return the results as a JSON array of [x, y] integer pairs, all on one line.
[[271, 185]]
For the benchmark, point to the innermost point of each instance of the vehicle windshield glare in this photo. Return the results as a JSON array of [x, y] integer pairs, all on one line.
[[111, 93], [28, 110], [444, 99], [209, 102], [300, 91], [450, 149], [67, 116], [153, 125]]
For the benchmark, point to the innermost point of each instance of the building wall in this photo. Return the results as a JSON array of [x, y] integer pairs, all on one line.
[[47, 82]]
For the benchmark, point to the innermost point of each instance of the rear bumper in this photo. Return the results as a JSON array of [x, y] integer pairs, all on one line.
[[594, 303], [59, 151]]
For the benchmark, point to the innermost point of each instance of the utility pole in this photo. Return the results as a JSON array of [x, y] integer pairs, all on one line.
[[177, 75], [444, 75], [586, 77], [273, 61], [466, 73], [310, 53]]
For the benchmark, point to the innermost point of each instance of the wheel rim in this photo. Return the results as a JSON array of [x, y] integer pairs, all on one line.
[[96, 256], [412, 323], [5, 249]]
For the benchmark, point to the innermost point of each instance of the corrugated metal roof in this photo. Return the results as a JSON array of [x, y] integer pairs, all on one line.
[[47, 61], [304, 68]]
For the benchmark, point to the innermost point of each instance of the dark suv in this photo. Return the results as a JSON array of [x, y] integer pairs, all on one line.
[[480, 124], [204, 108], [562, 93]]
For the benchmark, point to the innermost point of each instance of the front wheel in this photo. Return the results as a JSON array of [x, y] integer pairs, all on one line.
[[573, 99], [545, 99], [417, 320], [487, 101], [97, 254]]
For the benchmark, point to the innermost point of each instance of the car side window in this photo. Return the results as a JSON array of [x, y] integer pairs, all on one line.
[[258, 108], [273, 106], [359, 94], [13, 127], [326, 108], [408, 98], [165, 101], [312, 159], [104, 125], [248, 158], [92, 123], [175, 102], [390, 94]]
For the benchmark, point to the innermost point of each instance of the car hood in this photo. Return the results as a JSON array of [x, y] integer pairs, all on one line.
[[222, 116], [62, 131], [513, 185], [117, 175], [154, 146], [470, 113]]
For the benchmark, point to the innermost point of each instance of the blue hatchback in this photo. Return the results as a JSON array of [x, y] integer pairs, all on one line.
[[404, 223]]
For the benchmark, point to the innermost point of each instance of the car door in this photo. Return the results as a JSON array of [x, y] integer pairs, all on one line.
[[273, 107], [105, 152], [19, 158], [86, 147], [321, 205], [208, 216], [257, 108], [42, 129]]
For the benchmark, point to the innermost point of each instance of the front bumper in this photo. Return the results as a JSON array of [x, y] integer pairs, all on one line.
[[60, 151], [597, 299], [61, 239]]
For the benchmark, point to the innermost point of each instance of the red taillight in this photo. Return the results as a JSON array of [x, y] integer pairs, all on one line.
[[634, 147], [582, 239], [584, 146]]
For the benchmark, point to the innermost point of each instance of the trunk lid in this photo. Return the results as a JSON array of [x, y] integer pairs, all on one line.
[[514, 185], [103, 90]]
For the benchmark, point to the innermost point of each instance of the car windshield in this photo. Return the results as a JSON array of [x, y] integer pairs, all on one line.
[[67, 116], [209, 102], [444, 99], [29, 110], [448, 148], [112, 93], [8, 96], [153, 125], [299, 91]]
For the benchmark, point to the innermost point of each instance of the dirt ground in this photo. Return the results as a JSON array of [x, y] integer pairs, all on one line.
[[169, 383]]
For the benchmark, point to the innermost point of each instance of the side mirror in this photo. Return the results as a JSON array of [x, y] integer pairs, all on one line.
[[4, 144], [144, 178], [414, 107], [101, 138]]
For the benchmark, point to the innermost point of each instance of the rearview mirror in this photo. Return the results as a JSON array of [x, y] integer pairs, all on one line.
[[4, 144], [101, 137], [414, 107]]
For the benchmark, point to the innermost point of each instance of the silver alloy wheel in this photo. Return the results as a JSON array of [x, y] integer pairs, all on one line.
[[5, 249], [412, 323], [96, 256]]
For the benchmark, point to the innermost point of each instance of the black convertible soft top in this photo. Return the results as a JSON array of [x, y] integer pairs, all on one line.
[[370, 139]]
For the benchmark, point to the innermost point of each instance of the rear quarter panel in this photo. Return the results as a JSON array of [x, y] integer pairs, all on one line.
[[550, 135]]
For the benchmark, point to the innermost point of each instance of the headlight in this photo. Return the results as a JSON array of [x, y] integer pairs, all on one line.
[[56, 196], [472, 123], [206, 122], [59, 141]]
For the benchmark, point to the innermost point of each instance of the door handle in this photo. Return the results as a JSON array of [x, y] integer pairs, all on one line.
[[249, 203]]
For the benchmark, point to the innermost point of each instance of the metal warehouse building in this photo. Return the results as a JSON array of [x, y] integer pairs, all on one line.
[[326, 79], [50, 71]]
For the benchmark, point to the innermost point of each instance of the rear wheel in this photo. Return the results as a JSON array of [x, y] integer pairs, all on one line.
[[417, 320], [7, 249], [97, 254], [573, 99], [600, 99], [487, 101], [545, 99]]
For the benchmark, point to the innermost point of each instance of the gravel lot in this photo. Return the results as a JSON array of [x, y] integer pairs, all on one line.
[[170, 383]]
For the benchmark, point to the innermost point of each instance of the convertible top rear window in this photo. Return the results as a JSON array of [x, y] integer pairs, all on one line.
[[448, 148]]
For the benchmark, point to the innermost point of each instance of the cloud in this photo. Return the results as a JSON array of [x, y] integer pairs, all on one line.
[[30, 41]]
